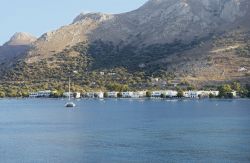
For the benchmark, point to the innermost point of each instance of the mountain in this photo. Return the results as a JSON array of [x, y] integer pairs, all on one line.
[[15, 48], [205, 41], [155, 22], [21, 38], [67, 36], [161, 21]]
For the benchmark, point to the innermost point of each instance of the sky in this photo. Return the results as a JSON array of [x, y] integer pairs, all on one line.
[[39, 16]]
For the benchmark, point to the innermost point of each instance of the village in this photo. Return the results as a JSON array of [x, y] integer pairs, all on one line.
[[130, 94]]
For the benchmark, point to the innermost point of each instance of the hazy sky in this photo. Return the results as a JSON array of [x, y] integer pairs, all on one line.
[[39, 16]]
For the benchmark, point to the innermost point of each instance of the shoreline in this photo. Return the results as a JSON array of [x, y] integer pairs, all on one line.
[[101, 99]]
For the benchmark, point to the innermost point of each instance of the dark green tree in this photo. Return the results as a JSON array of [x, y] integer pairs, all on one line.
[[148, 94]]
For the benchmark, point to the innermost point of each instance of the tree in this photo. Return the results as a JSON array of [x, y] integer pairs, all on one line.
[[119, 95], [163, 95], [117, 87], [56, 94], [211, 95], [148, 94], [248, 90], [105, 95], [230, 95], [180, 93], [225, 90], [2, 94], [19, 94], [11, 93], [191, 87], [25, 93], [236, 86]]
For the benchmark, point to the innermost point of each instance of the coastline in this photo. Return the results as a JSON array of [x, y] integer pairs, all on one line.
[[134, 99]]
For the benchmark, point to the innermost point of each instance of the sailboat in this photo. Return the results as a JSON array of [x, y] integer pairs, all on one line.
[[70, 104]]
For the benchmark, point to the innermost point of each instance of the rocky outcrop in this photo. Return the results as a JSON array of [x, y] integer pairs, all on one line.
[[100, 17], [161, 21], [21, 38], [67, 36], [15, 48]]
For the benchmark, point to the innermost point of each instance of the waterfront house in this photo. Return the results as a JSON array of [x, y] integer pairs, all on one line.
[[167, 93], [112, 94], [38, 94], [156, 94], [94, 94], [171, 93], [99, 94], [77, 95], [127, 94], [207, 93], [33, 95], [197, 94], [139, 94], [89, 95], [191, 94], [67, 94], [234, 93]]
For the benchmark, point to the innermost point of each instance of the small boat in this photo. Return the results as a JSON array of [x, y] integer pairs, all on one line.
[[70, 104]]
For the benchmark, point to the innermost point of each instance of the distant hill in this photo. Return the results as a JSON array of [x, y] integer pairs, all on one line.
[[15, 48], [202, 42]]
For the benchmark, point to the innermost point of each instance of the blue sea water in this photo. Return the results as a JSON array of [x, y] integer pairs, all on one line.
[[140, 131]]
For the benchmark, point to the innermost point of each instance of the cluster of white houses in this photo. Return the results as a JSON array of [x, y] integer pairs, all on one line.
[[137, 94], [48, 93], [38, 94], [154, 94]]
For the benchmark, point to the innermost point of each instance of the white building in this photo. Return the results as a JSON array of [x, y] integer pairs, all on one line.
[[33, 95], [242, 69], [156, 94], [72, 94], [90, 94], [139, 94], [99, 94], [197, 94], [112, 94], [207, 93], [167, 93], [170, 93], [46, 93], [77, 95], [94, 95], [111, 74], [67, 94], [127, 94], [234, 93], [191, 94]]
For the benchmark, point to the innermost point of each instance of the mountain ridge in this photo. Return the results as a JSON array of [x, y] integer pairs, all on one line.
[[158, 23], [21, 38], [15, 48]]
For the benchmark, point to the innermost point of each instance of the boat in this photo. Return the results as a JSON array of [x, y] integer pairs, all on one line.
[[70, 104]]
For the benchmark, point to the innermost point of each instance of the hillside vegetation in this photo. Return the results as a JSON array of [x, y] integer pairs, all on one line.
[[198, 43]]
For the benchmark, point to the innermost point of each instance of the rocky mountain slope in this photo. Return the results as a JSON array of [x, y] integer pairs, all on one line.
[[15, 48], [158, 21], [198, 41]]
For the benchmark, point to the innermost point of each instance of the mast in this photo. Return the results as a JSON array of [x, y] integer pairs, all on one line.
[[69, 88]]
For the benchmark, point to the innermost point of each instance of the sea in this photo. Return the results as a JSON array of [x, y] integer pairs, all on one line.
[[124, 131]]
